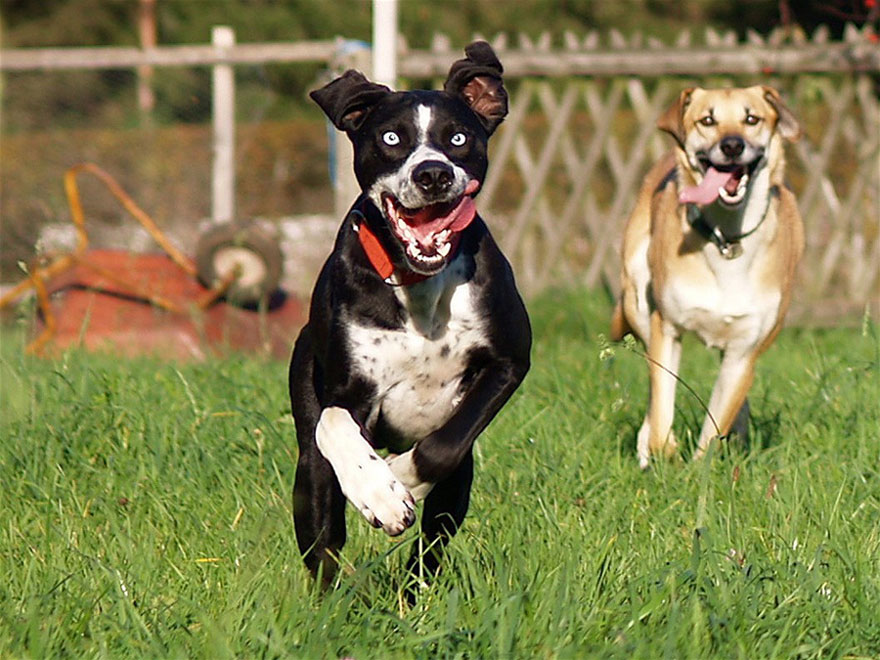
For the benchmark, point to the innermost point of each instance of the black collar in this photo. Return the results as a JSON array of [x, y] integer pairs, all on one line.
[[728, 246]]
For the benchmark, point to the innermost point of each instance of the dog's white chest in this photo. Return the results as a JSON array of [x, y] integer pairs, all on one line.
[[417, 370], [724, 306]]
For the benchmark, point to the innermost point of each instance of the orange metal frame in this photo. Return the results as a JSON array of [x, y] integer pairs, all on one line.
[[42, 269]]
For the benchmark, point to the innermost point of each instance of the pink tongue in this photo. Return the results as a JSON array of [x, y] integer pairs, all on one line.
[[424, 225], [707, 191]]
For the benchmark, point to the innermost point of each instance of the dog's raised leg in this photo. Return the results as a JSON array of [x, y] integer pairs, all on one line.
[[728, 396], [664, 351], [366, 479], [336, 462]]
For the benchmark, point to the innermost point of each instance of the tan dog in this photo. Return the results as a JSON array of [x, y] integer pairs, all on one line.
[[711, 247]]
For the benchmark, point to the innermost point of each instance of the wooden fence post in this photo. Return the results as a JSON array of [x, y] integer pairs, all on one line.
[[147, 32], [223, 91], [385, 42]]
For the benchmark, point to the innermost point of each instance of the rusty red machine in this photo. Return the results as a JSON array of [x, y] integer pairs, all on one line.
[[228, 297]]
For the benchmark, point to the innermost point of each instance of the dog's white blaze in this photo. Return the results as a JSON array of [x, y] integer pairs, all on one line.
[[365, 479], [417, 369], [423, 121]]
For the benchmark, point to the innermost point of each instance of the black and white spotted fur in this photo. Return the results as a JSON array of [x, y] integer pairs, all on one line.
[[416, 368]]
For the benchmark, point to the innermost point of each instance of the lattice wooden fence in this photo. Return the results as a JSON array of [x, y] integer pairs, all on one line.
[[567, 163]]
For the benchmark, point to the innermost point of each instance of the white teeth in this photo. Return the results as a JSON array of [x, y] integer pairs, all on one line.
[[404, 229], [737, 196], [441, 245]]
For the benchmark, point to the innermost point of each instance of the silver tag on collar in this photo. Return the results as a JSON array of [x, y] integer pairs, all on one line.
[[728, 249], [731, 250]]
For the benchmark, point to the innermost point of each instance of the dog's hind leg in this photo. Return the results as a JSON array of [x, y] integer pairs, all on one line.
[[318, 515], [444, 510], [318, 501], [739, 430]]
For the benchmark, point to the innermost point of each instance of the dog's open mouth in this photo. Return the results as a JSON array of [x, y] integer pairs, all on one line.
[[429, 234], [729, 183]]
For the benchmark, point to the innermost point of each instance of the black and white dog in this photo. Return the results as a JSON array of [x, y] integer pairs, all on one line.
[[417, 335]]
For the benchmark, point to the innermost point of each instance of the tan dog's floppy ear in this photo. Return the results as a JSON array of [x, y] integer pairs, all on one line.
[[787, 124], [671, 120]]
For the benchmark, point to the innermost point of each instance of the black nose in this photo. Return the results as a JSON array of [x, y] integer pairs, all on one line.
[[732, 146], [433, 177]]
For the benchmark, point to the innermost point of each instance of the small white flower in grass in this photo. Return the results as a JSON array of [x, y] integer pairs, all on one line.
[[737, 557], [122, 586]]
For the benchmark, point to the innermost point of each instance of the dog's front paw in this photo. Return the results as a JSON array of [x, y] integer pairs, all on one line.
[[387, 505], [648, 445], [365, 479], [380, 497]]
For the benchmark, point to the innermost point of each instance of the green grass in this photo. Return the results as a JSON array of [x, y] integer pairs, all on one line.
[[146, 513]]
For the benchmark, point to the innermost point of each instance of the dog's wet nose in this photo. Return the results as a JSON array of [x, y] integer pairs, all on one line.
[[732, 146], [433, 177]]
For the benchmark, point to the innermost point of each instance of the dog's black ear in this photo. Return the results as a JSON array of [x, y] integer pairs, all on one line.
[[477, 81], [671, 121], [787, 124], [347, 99]]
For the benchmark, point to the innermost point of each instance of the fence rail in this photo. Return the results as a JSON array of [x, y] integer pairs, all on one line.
[[640, 56], [581, 132], [52, 59], [575, 56]]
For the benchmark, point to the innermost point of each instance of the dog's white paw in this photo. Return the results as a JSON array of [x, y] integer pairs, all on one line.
[[365, 479], [647, 446], [382, 499]]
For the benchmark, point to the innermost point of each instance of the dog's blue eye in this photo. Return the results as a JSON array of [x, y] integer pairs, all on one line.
[[391, 138], [458, 139]]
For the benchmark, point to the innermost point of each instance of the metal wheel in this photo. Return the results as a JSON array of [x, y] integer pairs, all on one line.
[[253, 250]]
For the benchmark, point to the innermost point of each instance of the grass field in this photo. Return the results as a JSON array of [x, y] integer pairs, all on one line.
[[146, 513]]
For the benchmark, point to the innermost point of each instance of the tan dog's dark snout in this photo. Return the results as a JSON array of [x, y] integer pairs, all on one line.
[[732, 146]]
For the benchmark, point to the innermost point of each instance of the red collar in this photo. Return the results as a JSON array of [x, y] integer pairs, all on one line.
[[379, 257]]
